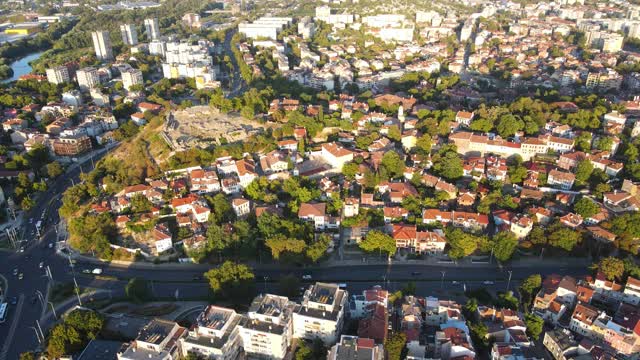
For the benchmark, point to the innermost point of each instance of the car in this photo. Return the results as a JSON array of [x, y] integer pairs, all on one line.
[[20, 276], [31, 221], [306, 277], [197, 278], [50, 245], [13, 300], [97, 271], [415, 273], [487, 282], [455, 282], [41, 264], [15, 272], [21, 250], [86, 271]]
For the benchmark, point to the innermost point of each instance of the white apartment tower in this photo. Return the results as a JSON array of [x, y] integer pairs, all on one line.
[[58, 75], [321, 314], [131, 77], [102, 45], [268, 331], [152, 28], [215, 335], [129, 34], [87, 78]]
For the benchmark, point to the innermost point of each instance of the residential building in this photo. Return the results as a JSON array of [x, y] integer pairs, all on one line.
[[560, 343], [268, 331], [215, 334], [132, 77], [358, 303], [129, 34], [87, 78], [321, 313], [561, 179], [58, 75], [241, 207], [152, 28], [102, 45], [375, 324], [71, 146], [336, 155], [356, 348], [158, 340]]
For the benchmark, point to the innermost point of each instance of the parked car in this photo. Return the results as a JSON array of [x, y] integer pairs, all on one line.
[[487, 282], [97, 271], [306, 277]]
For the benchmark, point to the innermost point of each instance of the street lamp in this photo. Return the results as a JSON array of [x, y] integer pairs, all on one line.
[[37, 335], [442, 281], [509, 281]]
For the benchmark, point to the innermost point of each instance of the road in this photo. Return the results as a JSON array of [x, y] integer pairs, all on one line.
[[28, 263], [236, 85]]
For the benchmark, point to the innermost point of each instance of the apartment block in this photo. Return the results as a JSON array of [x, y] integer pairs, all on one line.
[[58, 75], [321, 313], [102, 45], [268, 331], [215, 335]]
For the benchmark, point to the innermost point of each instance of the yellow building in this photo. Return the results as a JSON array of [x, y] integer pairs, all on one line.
[[23, 29]]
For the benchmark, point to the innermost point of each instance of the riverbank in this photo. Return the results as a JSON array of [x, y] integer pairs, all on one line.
[[22, 66]]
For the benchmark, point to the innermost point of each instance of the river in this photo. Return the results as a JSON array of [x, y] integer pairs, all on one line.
[[21, 67]]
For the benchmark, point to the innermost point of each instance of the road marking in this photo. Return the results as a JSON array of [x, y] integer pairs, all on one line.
[[12, 330]]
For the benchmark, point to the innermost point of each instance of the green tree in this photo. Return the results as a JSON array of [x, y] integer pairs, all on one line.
[[611, 267], [534, 325], [583, 172], [137, 290], [394, 346], [140, 203], [391, 165], [448, 165], [289, 286], [460, 243], [508, 125], [604, 143], [505, 244], [349, 170], [281, 243], [54, 169], [564, 238], [77, 329], [378, 241], [424, 143], [27, 356], [231, 281], [316, 250], [586, 207]]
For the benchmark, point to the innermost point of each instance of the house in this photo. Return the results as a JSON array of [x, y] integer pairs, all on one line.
[[288, 144], [601, 234], [467, 220], [632, 291], [159, 339], [394, 213], [268, 330], [521, 226], [336, 155], [274, 162], [350, 207], [571, 220], [561, 344], [374, 325], [241, 207], [356, 348], [582, 319], [358, 303], [313, 212], [163, 238], [560, 179], [246, 170], [464, 117], [620, 201]]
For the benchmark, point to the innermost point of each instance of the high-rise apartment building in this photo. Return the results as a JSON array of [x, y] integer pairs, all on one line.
[[102, 45], [129, 34], [58, 75], [152, 28], [131, 77], [87, 78]]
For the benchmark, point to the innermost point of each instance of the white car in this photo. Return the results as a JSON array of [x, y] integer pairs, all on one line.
[[487, 282], [306, 277], [97, 271]]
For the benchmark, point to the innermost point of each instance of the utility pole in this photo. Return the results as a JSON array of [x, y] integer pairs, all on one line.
[[49, 273], [442, 281], [77, 290], [53, 309], [509, 281], [37, 334]]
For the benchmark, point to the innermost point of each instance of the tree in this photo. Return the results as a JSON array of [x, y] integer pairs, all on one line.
[[583, 172], [72, 335], [140, 203], [586, 208], [54, 169], [460, 243], [531, 284], [612, 268], [137, 290], [564, 238], [505, 244], [394, 346], [508, 125], [391, 165], [448, 165], [424, 143], [281, 243], [604, 143], [289, 286], [316, 250], [231, 281], [534, 325], [378, 241], [27, 356], [349, 170]]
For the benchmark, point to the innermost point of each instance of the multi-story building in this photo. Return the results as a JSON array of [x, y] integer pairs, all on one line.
[[129, 34], [268, 331], [560, 343], [158, 340], [358, 303], [561, 179], [71, 146], [102, 45], [264, 27], [215, 335], [356, 348], [152, 28], [321, 313], [132, 77], [88, 78], [58, 75]]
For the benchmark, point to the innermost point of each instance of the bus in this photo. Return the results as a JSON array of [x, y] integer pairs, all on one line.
[[3, 312]]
